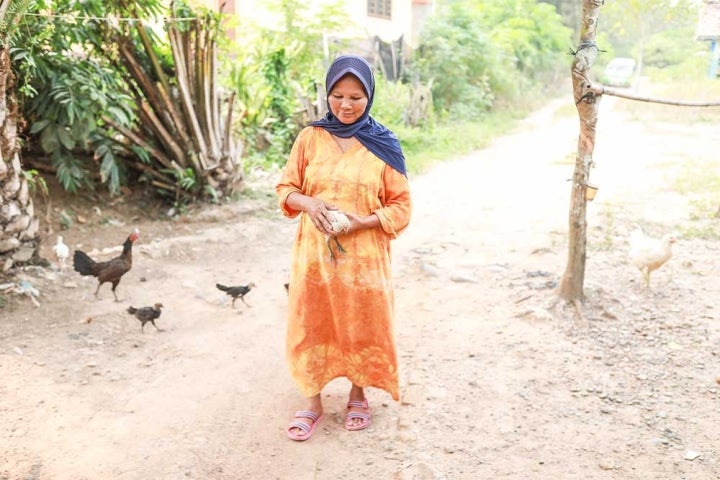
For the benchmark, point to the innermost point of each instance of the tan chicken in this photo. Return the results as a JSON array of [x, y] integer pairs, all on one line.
[[648, 254]]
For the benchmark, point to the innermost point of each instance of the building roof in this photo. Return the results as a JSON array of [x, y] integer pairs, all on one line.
[[708, 26]]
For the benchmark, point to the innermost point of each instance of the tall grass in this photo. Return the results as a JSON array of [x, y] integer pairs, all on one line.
[[426, 147]]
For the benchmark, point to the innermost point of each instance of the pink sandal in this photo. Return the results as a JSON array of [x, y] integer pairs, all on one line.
[[365, 417], [306, 431]]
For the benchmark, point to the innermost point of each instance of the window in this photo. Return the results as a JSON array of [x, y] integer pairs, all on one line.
[[379, 8]]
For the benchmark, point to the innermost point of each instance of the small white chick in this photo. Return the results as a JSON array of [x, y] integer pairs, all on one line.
[[61, 252], [338, 221]]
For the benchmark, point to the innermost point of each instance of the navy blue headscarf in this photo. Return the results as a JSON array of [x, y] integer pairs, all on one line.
[[373, 135]]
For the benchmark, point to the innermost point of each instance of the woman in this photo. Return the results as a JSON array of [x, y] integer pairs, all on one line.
[[340, 293]]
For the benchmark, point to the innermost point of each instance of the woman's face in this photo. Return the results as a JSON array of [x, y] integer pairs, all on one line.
[[348, 99]]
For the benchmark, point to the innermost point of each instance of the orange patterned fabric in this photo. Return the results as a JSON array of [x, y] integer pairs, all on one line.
[[340, 319]]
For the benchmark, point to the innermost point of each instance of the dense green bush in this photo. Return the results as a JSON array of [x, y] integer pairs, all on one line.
[[671, 47], [479, 51], [392, 101]]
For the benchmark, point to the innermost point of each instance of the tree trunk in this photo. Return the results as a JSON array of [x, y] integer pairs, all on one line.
[[587, 103], [19, 241]]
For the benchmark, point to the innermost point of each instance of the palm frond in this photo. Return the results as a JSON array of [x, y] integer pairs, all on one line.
[[11, 11]]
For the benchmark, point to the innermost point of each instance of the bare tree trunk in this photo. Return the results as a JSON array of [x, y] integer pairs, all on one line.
[[587, 103], [19, 239]]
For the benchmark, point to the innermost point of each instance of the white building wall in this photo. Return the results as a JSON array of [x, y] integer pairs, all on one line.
[[406, 17], [400, 23]]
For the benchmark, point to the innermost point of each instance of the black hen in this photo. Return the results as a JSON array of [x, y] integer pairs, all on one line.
[[110, 271], [236, 292], [147, 314]]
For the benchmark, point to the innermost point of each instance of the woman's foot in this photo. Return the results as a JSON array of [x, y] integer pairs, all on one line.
[[358, 411], [303, 425]]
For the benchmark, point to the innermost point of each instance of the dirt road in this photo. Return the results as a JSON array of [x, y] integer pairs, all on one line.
[[498, 381]]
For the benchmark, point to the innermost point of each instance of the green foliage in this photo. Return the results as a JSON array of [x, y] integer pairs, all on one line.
[[481, 55], [65, 113], [392, 101], [266, 104], [100, 88], [304, 26], [71, 172], [253, 94], [477, 51], [635, 28], [529, 33], [692, 72], [10, 18], [457, 56], [65, 91], [423, 147], [672, 47], [272, 68], [110, 154], [186, 179], [35, 182], [282, 98]]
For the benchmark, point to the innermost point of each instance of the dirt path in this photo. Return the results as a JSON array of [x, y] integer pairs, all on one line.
[[497, 382]]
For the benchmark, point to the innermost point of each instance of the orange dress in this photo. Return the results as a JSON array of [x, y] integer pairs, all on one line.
[[340, 319]]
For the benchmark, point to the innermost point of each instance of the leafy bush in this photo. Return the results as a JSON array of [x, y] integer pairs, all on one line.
[[478, 51], [392, 101], [457, 57], [272, 69], [66, 108], [670, 47]]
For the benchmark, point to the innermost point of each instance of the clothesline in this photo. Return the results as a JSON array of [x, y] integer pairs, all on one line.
[[108, 19]]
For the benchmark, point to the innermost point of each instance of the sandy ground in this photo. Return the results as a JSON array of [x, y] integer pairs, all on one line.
[[498, 379]]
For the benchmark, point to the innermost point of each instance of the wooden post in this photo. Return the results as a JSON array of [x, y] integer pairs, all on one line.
[[587, 104]]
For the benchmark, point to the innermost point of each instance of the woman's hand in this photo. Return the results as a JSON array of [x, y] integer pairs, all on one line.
[[315, 209], [358, 222]]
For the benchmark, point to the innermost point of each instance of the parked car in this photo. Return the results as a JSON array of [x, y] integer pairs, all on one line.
[[619, 72]]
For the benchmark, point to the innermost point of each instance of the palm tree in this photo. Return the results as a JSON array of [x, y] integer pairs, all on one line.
[[19, 239]]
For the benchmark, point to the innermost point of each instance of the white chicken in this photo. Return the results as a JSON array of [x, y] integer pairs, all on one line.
[[649, 254], [339, 223], [61, 252]]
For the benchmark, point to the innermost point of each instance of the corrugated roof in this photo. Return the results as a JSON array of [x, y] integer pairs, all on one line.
[[708, 27]]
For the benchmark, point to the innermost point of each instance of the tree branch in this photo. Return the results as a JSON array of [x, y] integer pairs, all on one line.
[[600, 89]]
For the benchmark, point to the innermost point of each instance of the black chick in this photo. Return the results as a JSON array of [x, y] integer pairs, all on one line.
[[147, 314], [236, 292]]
